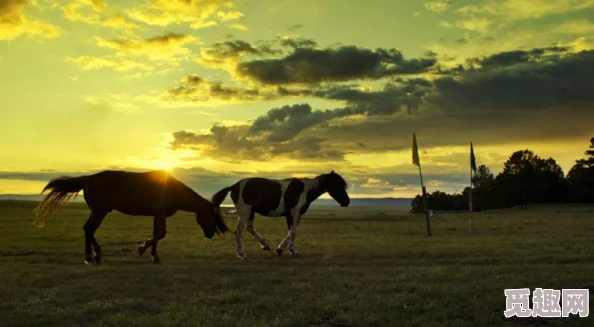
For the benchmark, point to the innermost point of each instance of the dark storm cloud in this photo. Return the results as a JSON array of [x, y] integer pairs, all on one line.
[[237, 143], [235, 48], [194, 88], [394, 97], [509, 58], [539, 78], [535, 95], [309, 66], [297, 42], [515, 80], [288, 121]]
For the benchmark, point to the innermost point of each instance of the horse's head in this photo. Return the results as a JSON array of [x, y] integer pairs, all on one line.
[[336, 187], [211, 221]]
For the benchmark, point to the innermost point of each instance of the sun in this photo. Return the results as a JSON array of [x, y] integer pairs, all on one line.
[[166, 165]]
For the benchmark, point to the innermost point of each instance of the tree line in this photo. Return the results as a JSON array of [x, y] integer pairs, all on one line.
[[526, 178]]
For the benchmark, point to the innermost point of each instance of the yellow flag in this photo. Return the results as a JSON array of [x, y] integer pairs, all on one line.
[[415, 154]]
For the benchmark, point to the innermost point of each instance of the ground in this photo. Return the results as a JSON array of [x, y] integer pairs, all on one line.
[[357, 267]]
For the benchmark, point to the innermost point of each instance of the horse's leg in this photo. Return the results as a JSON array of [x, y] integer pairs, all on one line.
[[90, 227], [293, 234], [252, 229], [86, 229], [243, 218], [154, 246], [161, 227], [283, 244], [96, 222]]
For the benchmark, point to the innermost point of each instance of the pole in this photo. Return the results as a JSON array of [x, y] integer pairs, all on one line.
[[472, 163], [470, 204], [425, 204]]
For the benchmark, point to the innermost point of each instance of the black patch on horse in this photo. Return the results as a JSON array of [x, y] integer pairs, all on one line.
[[293, 193], [262, 194]]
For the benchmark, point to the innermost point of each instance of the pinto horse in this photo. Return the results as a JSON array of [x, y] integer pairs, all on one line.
[[290, 197], [153, 193]]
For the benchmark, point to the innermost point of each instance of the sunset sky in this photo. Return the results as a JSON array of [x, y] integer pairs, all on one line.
[[218, 90]]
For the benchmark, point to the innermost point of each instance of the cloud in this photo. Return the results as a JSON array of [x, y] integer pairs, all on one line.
[[197, 13], [196, 89], [437, 5], [169, 46], [240, 27], [536, 95], [164, 51], [96, 12], [454, 53], [117, 63], [296, 42], [578, 27], [14, 23], [307, 65], [532, 78], [394, 96], [540, 78], [520, 9], [474, 24], [516, 57], [235, 144], [227, 55]]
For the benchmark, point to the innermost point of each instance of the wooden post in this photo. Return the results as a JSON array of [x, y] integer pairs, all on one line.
[[417, 162], [470, 208], [472, 165], [425, 204]]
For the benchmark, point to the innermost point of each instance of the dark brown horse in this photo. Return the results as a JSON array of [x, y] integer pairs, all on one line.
[[154, 193]]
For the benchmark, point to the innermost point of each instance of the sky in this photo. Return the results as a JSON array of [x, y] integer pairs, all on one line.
[[215, 91]]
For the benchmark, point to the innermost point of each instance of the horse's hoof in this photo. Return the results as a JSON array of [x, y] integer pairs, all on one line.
[[156, 260], [90, 262], [97, 258], [141, 250], [293, 252], [266, 248], [242, 256], [279, 251]]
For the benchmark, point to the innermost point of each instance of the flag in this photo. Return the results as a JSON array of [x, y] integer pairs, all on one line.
[[472, 159], [415, 154]]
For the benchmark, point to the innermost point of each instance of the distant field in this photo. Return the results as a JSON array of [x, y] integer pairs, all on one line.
[[359, 266]]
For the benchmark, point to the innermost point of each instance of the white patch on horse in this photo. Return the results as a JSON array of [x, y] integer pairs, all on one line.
[[284, 183], [296, 214], [243, 210]]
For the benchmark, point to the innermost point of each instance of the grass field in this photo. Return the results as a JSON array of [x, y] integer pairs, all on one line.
[[357, 267]]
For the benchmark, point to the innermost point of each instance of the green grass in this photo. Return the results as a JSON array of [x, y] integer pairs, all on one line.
[[357, 267]]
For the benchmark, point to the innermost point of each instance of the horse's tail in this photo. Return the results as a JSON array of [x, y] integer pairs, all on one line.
[[61, 190], [216, 200], [220, 196]]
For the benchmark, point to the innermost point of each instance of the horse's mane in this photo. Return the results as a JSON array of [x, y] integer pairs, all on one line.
[[339, 178]]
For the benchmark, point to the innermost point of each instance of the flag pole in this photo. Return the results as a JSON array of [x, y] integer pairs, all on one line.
[[472, 167], [417, 162], [425, 204], [470, 204]]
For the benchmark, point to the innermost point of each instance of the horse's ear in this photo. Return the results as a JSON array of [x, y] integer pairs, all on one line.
[[332, 172]]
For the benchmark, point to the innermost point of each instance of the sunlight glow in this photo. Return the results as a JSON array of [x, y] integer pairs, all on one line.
[[164, 164]]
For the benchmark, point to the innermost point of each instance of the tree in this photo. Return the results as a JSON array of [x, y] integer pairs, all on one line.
[[528, 178], [484, 179], [483, 193], [580, 178]]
